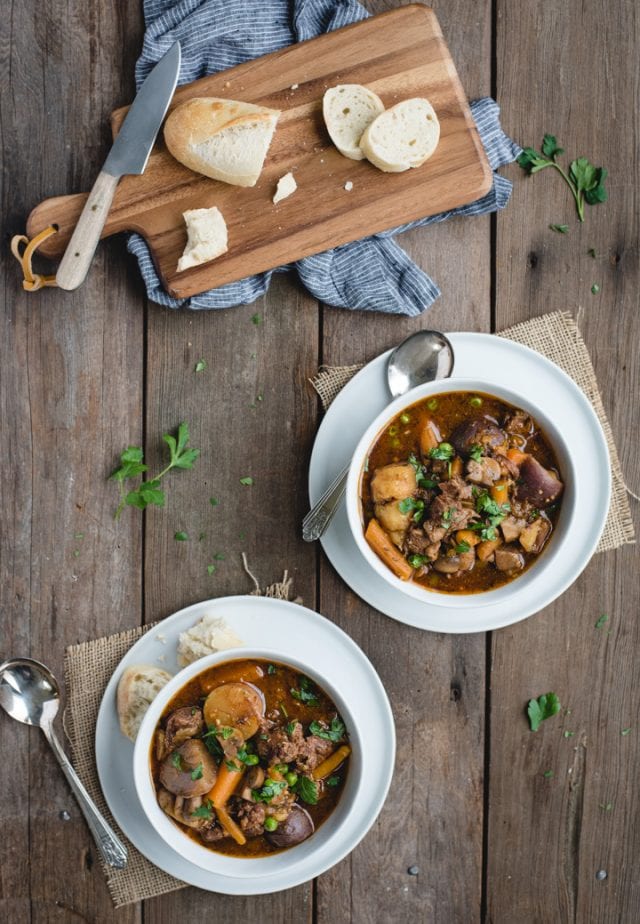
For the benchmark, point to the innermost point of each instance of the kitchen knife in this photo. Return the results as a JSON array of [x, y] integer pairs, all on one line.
[[129, 154]]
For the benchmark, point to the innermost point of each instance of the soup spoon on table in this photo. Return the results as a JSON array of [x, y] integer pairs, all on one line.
[[30, 694], [423, 357]]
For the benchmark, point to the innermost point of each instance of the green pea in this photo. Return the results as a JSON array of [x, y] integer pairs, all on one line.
[[291, 778], [282, 768], [393, 431], [404, 418], [432, 405], [395, 443], [475, 401], [270, 824], [251, 760]]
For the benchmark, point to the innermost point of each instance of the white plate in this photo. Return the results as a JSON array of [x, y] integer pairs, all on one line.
[[508, 364], [300, 632]]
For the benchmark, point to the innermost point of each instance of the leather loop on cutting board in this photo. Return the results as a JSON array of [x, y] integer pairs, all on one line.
[[32, 281]]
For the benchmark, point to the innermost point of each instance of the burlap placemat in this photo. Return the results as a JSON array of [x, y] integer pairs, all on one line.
[[557, 337], [87, 670]]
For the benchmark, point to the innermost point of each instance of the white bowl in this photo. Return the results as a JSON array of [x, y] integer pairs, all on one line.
[[210, 860], [534, 577]]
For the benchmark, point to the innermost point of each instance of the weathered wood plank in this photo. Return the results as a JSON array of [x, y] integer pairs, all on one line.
[[433, 816], [71, 388], [252, 415], [549, 837]]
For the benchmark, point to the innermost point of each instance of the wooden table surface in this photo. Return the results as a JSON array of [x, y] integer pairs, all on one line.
[[86, 374]]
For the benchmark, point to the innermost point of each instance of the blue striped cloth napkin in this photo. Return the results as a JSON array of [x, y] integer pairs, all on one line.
[[373, 274]]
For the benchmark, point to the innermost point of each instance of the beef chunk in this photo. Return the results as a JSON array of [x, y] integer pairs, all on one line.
[[184, 723], [519, 423], [213, 833], [250, 816], [276, 746], [512, 527], [314, 752]]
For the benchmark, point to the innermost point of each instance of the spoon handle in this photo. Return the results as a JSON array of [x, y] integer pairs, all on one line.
[[108, 843], [316, 521]]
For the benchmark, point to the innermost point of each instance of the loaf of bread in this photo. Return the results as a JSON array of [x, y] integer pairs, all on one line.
[[207, 636], [348, 109], [138, 687], [402, 137], [206, 237], [224, 139]]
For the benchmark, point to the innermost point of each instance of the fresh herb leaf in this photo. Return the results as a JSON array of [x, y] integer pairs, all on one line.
[[176, 760], [595, 288], [218, 556], [283, 710], [332, 780], [214, 501], [548, 774], [334, 733], [196, 773], [307, 789], [447, 516], [269, 791], [203, 811], [542, 708], [247, 481], [291, 726], [149, 492], [561, 229], [181, 536], [421, 478], [601, 621], [306, 693], [210, 738], [606, 806], [271, 669], [585, 180], [211, 569], [462, 547], [475, 452], [417, 561], [569, 734], [200, 366], [256, 319], [625, 732], [592, 252], [225, 732], [231, 765], [443, 452]]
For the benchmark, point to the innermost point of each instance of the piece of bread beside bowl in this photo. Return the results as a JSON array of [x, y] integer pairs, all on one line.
[[247, 762], [462, 494]]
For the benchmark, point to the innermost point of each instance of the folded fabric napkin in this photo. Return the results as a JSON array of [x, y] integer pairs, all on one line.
[[373, 274]]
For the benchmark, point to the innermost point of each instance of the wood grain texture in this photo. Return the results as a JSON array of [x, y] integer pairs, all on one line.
[[399, 55], [433, 816], [549, 837]]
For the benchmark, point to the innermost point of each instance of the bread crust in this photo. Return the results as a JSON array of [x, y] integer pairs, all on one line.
[[132, 697]]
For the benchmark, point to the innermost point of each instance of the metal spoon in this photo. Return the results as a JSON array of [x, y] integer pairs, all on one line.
[[29, 693], [423, 357]]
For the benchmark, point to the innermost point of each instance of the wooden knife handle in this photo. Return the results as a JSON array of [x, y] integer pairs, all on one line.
[[84, 240]]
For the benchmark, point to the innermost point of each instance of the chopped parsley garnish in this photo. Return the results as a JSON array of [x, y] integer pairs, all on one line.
[[225, 732], [271, 669], [247, 481], [462, 547], [421, 478], [247, 757], [561, 229], [333, 781], [447, 516], [196, 773], [214, 501], [307, 790], [417, 561], [625, 732], [230, 765], [486, 533], [442, 452], [409, 504], [291, 726], [542, 708], [176, 760], [269, 791], [568, 734], [548, 774], [595, 288], [200, 366], [211, 569], [601, 621], [475, 452], [256, 319], [181, 536], [283, 710], [210, 739], [203, 811], [306, 693], [334, 733]]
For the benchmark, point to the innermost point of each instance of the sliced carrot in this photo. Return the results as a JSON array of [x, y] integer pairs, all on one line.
[[225, 784], [456, 467], [230, 826], [500, 492], [515, 456], [468, 536], [386, 550], [332, 761], [487, 548]]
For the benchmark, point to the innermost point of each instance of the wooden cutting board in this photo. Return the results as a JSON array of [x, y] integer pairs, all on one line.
[[399, 54]]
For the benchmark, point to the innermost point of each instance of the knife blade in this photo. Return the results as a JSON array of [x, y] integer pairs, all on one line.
[[129, 155]]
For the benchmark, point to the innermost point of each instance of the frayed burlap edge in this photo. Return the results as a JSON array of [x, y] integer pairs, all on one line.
[[88, 667], [556, 336]]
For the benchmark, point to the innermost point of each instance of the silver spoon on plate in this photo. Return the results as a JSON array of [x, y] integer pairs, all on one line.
[[30, 694], [423, 357]]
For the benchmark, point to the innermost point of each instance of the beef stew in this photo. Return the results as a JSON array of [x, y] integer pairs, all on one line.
[[249, 758], [461, 493]]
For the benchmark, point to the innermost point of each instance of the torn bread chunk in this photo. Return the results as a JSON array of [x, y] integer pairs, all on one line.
[[286, 187], [206, 237], [207, 636]]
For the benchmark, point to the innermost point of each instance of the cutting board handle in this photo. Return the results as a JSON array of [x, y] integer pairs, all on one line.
[[84, 240]]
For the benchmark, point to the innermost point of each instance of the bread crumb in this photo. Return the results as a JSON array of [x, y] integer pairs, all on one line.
[[160, 637], [228, 84], [161, 658], [286, 187], [348, 185], [294, 86]]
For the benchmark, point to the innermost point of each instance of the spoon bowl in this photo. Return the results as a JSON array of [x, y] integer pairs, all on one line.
[[422, 357]]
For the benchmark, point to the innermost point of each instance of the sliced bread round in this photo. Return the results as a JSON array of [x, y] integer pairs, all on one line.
[[402, 137], [348, 109], [138, 687], [225, 139]]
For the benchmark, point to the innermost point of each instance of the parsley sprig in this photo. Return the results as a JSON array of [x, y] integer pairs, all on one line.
[[585, 181], [132, 465], [335, 732], [542, 708]]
